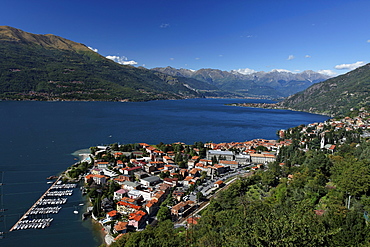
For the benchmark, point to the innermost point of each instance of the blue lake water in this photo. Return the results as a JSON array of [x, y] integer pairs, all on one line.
[[38, 138]]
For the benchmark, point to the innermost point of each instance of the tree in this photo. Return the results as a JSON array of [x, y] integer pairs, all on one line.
[[200, 196], [351, 176], [164, 213], [261, 149]]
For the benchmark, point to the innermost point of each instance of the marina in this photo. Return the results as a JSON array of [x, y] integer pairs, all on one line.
[[37, 217]]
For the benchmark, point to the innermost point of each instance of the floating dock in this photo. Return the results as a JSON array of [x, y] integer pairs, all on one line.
[[45, 206]]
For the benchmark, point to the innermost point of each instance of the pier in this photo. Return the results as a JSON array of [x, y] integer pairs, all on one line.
[[24, 223]]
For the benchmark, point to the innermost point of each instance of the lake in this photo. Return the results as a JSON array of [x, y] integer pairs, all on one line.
[[38, 139]]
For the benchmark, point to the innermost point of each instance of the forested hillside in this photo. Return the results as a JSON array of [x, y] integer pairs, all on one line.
[[336, 96]]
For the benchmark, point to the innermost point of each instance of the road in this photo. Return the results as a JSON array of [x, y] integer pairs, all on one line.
[[208, 190]]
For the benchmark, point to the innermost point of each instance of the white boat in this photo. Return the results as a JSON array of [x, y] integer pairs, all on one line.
[[75, 212]]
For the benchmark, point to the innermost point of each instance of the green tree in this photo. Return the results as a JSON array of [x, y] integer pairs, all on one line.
[[164, 213], [351, 176]]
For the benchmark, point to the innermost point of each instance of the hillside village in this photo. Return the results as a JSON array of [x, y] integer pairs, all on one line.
[[133, 185]]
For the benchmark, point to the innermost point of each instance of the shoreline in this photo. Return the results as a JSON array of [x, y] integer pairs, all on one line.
[[274, 107]]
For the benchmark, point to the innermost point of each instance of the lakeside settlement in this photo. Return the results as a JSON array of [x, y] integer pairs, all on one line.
[[131, 186]]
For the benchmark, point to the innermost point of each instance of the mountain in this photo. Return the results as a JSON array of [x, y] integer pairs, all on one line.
[[48, 67], [336, 96], [274, 84]]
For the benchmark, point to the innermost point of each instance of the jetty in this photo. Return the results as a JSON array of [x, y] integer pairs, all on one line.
[[25, 223]]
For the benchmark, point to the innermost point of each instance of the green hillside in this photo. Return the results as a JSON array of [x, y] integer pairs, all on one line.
[[48, 67], [336, 96]]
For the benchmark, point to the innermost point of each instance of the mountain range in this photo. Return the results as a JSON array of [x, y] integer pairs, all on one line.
[[274, 84], [48, 67]]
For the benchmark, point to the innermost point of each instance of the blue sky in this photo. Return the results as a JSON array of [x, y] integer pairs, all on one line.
[[260, 35]]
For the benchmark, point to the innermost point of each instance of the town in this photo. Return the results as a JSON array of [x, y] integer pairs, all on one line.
[[133, 185]]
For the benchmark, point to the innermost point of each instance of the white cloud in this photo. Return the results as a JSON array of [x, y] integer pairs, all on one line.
[[350, 66], [368, 41], [171, 58], [96, 50], [164, 25], [307, 56], [327, 72], [281, 70], [291, 57], [122, 60], [245, 71]]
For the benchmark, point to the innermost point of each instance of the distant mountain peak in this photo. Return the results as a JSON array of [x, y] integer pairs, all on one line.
[[250, 83]]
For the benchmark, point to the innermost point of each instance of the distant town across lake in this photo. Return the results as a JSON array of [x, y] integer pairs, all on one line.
[[38, 139]]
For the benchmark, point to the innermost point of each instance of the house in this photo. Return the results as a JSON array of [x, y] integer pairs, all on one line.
[[112, 215], [227, 155], [107, 204], [122, 178], [150, 149], [205, 162], [119, 194], [98, 179], [181, 207], [243, 158], [119, 163], [149, 168], [131, 185], [130, 200], [96, 171], [146, 194], [130, 170], [149, 181], [188, 180], [183, 172], [151, 207], [126, 208], [262, 158], [195, 172], [140, 174], [219, 184], [178, 195], [165, 187], [191, 163], [160, 196], [89, 178], [171, 181], [219, 169], [229, 163], [120, 227], [102, 165], [167, 159], [137, 219], [134, 194]]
